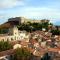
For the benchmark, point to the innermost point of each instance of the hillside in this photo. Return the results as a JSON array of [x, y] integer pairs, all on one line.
[[8, 24]]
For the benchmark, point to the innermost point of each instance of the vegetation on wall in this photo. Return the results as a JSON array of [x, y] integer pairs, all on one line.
[[33, 26]]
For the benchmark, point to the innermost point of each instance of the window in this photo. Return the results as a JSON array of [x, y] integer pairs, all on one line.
[[2, 39], [7, 39], [11, 38]]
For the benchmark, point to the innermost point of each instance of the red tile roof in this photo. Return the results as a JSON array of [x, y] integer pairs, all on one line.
[[7, 52]]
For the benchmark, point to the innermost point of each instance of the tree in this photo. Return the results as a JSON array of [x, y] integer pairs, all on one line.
[[46, 57], [36, 26], [55, 32], [3, 31], [22, 54], [5, 45]]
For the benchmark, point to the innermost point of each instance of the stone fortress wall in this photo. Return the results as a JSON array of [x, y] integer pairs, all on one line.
[[25, 20]]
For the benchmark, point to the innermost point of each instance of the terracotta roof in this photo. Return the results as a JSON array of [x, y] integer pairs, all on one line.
[[7, 52], [33, 41], [54, 49], [24, 43], [15, 42]]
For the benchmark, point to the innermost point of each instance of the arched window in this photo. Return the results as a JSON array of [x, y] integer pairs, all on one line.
[[11, 38], [2, 39], [7, 39]]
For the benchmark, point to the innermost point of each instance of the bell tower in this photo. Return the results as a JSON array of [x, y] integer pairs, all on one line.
[[13, 31]]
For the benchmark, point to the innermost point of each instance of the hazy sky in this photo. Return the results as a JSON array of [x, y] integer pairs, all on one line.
[[35, 9]]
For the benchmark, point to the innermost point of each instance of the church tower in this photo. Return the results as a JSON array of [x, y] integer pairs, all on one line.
[[14, 31]]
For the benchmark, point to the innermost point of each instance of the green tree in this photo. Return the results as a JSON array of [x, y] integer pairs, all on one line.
[[5, 45], [36, 26], [22, 54], [55, 32], [46, 57], [3, 31]]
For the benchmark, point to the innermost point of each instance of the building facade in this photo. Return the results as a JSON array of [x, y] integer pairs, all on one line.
[[15, 34]]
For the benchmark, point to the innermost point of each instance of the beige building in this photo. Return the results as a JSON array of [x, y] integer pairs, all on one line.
[[15, 34]]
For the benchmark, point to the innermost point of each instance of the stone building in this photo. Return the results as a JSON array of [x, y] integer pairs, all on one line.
[[20, 20], [15, 34]]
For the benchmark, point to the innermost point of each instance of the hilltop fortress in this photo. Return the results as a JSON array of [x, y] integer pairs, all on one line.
[[20, 20]]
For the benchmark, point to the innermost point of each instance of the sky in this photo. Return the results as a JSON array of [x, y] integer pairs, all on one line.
[[33, 9]]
